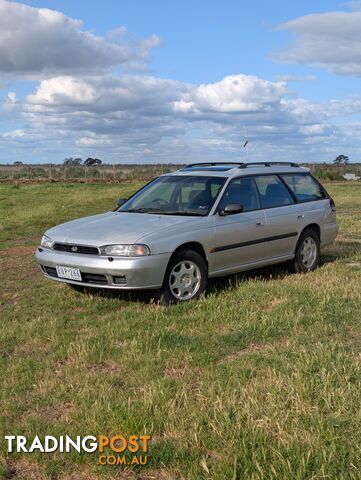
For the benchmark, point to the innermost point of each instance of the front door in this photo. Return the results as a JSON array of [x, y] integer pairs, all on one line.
[[238, 237]]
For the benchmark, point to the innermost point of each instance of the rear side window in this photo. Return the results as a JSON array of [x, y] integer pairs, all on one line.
[[272, 191], [304, 187]]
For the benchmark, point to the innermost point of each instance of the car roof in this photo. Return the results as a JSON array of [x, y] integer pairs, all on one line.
[[229, 170]]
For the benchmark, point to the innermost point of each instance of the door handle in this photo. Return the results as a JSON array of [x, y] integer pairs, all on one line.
[[259, 223], [300, 217]]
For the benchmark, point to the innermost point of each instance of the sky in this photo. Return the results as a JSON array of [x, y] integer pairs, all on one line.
[[157, 81]]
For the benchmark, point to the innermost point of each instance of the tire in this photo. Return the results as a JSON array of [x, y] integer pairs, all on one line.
[[307, 254], [185, 279]]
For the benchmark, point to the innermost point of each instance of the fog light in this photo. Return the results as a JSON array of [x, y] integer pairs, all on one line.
[[120, 280]]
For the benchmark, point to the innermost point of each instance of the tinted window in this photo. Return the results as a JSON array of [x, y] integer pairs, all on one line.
[[304, 187], [242, 191], [272, 191]]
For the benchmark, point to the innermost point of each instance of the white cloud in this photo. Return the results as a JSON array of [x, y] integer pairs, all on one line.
[[93, 140], [137, 118], [79, 108], [106, 93], [65, 90], [14, 134], [236, 93], [37, 41], [329, 40], [10, 102]]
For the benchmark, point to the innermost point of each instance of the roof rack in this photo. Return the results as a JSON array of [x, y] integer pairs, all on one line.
[[267, 164], [241, 164], [212, 164]]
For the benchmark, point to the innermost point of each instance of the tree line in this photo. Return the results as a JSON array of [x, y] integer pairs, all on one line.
[[89, 162]]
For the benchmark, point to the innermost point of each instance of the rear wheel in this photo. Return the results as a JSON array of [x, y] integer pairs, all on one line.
[[307, 255], [185, 279]]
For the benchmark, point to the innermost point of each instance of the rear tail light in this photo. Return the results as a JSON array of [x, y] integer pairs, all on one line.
[[332, 205]]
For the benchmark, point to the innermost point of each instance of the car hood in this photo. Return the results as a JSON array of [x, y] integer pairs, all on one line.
[[114, 227]]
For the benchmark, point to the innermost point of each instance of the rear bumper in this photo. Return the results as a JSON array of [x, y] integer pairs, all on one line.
[[329, 233], [122, 273]]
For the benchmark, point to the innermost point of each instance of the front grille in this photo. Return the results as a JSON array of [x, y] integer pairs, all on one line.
[[74, 248], [94, 278], [91, 278]]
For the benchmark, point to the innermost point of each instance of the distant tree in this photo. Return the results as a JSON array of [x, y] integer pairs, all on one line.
[[18, 163], [72, 161], [341, 160], [89, 162]]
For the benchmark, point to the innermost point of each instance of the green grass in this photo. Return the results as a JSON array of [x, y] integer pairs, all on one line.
[[259, 380]]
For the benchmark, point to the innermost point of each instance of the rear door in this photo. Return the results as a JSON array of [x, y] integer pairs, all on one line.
[[238, 237], [281, 228]]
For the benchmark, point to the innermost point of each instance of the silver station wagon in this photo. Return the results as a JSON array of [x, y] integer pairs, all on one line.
[[205, 220]]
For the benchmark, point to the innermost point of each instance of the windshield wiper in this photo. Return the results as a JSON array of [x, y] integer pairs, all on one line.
[[143, 210], [159, 211], [185, 213]]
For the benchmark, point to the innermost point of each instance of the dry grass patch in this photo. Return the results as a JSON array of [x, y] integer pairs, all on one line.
[[104, 368], [19, 251], [53, 412], [274, 303], [181, 372], [23, 469], [249, 350], [348, 240], [160, 474], [254, 349]]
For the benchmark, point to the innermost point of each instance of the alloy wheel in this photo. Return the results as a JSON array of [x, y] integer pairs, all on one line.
[[185, 280]]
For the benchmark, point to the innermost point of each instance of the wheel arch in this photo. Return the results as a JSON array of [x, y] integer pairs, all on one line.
[[315, 227], [196, 246]]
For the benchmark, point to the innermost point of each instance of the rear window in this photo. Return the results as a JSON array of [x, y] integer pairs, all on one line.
[[304, 187]]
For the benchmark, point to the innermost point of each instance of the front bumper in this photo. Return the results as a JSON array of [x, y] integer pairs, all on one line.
[[125, 273]]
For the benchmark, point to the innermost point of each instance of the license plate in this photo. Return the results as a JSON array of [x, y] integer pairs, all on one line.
[[68, 272]]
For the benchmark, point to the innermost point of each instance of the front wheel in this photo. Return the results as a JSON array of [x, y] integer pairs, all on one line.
[[307, 255], [185, 279]]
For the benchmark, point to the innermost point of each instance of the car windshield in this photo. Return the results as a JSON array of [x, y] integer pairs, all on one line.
[[176, 195]]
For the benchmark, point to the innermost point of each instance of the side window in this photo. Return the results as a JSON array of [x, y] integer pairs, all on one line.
[[272, 191], [242, 191], [304, 187]]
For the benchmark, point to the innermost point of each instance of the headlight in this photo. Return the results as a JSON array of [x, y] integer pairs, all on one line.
[[46, 242], [136, 250]]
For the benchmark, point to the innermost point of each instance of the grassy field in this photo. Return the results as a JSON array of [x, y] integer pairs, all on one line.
[[259, 380]]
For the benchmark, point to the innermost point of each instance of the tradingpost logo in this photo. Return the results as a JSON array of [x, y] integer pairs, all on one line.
[[114, 450]]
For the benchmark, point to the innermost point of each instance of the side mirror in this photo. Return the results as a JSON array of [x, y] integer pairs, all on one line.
[[231, 209], [121, 201]]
